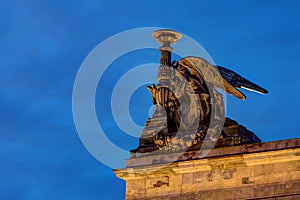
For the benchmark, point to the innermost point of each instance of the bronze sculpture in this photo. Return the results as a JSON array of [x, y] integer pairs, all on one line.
[[187, 96]]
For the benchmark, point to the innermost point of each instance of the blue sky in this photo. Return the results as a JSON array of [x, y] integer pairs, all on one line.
[[43, 43]]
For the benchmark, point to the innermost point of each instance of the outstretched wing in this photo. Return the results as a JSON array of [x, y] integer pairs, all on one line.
[[240, 82], [200, 67]]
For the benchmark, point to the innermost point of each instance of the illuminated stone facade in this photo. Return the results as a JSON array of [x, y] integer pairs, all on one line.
[[268, 170]]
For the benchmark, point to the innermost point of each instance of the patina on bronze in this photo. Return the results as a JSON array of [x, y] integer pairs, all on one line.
[[203, 79]]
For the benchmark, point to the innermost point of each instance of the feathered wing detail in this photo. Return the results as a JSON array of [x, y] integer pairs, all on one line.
[[240, 82], [201, 68], [230, 89]]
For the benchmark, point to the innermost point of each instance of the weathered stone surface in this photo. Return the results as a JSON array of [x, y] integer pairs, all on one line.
[[258, 171]]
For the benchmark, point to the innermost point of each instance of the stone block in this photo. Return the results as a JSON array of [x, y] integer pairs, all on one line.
[[258, 171], [187, 178]]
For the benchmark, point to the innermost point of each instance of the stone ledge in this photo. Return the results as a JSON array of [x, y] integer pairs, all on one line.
[[212, 163], [157, 158]]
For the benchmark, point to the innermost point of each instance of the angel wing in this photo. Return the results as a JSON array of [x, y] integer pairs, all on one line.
[[240, 82], [224, 79]]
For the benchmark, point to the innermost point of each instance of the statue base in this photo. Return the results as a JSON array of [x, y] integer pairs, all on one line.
[[233, 134]]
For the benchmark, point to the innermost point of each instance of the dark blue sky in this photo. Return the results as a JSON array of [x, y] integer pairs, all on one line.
[[43, 43]]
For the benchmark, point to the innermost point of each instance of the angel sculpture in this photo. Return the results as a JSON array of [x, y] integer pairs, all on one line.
[[193, 105]]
